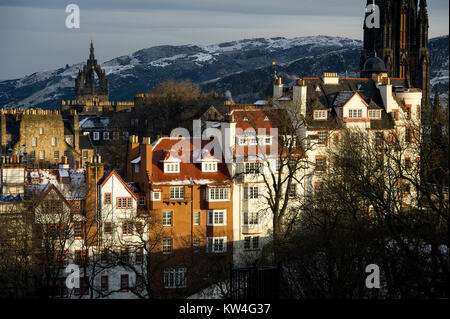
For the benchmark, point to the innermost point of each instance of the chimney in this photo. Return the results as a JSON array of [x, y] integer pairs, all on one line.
[[132, 153], [277, 88], [146, 161], [299, 95], [76, 130], [94, 172], [330, 78]]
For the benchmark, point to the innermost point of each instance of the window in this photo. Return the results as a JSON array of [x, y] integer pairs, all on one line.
[[267, 140], [196, 244], [96, 136], [108, 228], [136, 168], [394, 115], [42, 155], [116, 135], [209, 167], [34, 141], [219, 194], [217, 217], [53, 141], [167, 218], [175, 277], [124, 255], [85, 154], [355, 113], [251, 242], [104, 256], [266, 118], [33, 155], [41, 131], [418, 112], [62, 258], [217, 244], [127, 228], [104, 283], [84, 287], [106, 136], [124, 282], [253, 140], [139, 227], [321, 163], [242, 140], [124, 202], [197, 218], [156, 196], [408, 112], [320, 115], [408, 135], [336, 139], [171, 168], [177, 192], [250, 192], [374, 114], [245, 119], [323, 138], [251, 218], [139, 255], [107, 198], [56, 155], [252, 168], [292, 191], [167, 245], [78, 230], [142, 201], [318, 189], [81, 256]]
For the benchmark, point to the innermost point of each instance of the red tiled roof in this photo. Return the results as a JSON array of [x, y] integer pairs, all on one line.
[[188, 169]]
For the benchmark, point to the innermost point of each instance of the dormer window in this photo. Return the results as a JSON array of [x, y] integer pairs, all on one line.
[[171, 168], [320, 115], [374, 114], [355, 113], [209, 167], [245, 119], [266, 118]]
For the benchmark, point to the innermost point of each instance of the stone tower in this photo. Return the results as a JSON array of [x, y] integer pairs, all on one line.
[[86, 88], [401, 41]]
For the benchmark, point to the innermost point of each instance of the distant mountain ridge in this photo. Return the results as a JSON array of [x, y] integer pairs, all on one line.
[[242, 67]]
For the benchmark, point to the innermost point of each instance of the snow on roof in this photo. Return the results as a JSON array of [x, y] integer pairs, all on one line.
[[343, 97], [261, 102], [63, 173], [136, 160], [34, 174]]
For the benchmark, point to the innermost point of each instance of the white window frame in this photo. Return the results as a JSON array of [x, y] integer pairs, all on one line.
[[242, 140], [177, 192], [41, 131], [171, 168], [374, 114], [165, 246], [209, 167], [251, 242], [34, 142], [167, 218], [106, 136], [250, 218], [218, 194], [156, 196], [320, 115], [213, 242], [251, 192], [216, 217], [322, 142], [196, 218], [252, 167], [42, 155], [53, 141], [355, 113], [95, 136], [174, 277]]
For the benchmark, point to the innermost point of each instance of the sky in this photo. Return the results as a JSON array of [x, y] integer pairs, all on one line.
[[34, 36]]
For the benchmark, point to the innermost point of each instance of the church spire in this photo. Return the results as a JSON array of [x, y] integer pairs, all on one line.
[[91, 50]]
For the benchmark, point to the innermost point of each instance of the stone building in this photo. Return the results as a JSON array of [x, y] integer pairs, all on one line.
[[43, 137], [401, 42]]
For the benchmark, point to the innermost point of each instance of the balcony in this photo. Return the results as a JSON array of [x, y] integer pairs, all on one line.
[[179, 199], [251, 229]]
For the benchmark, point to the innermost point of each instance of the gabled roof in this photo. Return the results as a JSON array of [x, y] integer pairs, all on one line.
[[188, 168], [113, 172], [49, 187]]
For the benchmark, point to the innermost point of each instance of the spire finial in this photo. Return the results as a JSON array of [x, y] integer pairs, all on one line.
[[91, 55]]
